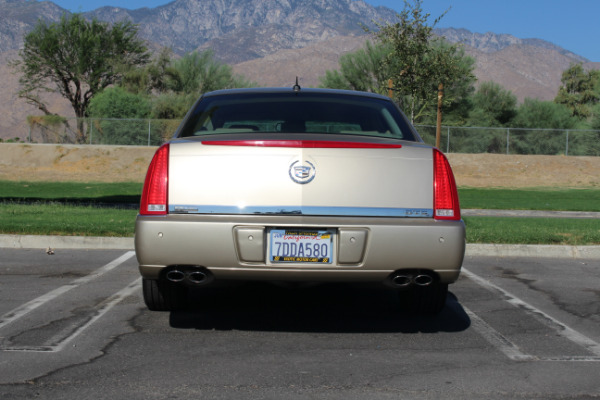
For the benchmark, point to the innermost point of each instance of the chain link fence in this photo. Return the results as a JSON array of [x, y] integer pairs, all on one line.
[[110, 131], [570, 142], [152, 132]]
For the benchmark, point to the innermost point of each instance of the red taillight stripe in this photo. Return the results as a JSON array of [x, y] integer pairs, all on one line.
[[316, 144], [446, 205], [155, 194]]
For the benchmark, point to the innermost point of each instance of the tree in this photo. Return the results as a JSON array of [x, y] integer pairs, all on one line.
[[156, 77], [492, 106], [200, 73], [580, 90], [546, 122], [360, 70], [172, 105], [118, 116], [189, 77], [534, 113], [595, 124], [456, 71], [416, 64], [78, 59], [116, 102]]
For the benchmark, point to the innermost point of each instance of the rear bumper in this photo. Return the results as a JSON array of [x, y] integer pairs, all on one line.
[[236, 246]]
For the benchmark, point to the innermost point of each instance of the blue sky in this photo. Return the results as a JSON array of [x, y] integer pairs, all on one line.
[[572, 24]]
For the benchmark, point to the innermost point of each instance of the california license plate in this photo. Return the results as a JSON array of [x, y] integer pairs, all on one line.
[[301, 246]]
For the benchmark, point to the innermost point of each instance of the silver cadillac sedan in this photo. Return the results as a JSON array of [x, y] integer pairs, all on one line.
[[298, 185]]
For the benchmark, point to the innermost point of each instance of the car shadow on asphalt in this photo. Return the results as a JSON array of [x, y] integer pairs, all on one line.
[[334, 308]]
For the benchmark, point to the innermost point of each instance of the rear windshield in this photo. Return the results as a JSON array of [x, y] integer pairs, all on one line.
[[296, 113]]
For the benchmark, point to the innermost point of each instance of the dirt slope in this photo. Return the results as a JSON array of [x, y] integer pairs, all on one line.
[[45, 162]]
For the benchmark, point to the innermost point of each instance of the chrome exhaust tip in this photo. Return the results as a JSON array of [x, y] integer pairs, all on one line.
[[175, 276], [423, 280], [197, 277], [402, 280], [405, 279]]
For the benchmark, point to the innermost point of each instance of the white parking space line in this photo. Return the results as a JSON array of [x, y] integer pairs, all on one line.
[[26, 308], [510, 349], [498, 340], [103, 308]]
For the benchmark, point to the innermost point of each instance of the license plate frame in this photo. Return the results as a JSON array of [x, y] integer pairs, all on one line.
[[301, 246]]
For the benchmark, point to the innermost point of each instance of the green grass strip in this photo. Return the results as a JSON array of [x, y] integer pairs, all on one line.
[[546, 199], [59, 219], [71, 192]]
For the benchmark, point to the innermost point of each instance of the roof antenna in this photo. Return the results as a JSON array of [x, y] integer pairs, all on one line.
[[297, 86]]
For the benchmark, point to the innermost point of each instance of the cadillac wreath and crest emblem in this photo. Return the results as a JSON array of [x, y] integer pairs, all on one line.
[[302, 172]]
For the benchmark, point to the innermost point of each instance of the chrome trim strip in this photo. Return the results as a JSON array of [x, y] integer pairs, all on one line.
[[303, 210]]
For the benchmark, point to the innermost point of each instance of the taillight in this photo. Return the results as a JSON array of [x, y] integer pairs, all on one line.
[[154, 197], [445, 193]]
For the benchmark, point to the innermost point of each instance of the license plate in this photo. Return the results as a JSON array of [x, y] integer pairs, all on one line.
[[301, 246]]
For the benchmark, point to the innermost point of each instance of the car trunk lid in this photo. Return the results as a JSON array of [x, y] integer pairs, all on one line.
[[307, 177]]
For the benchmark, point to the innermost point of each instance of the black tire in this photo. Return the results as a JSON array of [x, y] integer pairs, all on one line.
[[429, 300], [162, 295]]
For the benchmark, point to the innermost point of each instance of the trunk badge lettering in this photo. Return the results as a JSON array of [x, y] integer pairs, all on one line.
[[302, 172]]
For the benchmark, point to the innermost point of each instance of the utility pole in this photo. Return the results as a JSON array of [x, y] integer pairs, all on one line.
[[438, 130]]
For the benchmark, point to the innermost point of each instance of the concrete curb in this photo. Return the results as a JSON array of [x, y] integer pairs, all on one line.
[[537, 251], [117, 243], [529, 213], [65, 242]]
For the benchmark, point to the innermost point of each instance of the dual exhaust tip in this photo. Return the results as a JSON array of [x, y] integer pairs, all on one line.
[[198, 276], [406, 279], [190, 275]]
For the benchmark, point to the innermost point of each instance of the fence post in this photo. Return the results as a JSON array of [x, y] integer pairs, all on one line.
[[448, 142], [507, 140], [91, 130], [567, 145]]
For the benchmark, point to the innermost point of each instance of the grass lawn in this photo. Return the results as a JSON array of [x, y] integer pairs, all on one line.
[[70, 192], [531, 199], [61, 219]]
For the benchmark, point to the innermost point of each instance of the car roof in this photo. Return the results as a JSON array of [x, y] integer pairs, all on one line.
[[282, 90]]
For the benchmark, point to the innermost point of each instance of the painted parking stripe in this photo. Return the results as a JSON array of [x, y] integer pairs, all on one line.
[[498, 340], [104, 308], [26, 308], [510, 349]]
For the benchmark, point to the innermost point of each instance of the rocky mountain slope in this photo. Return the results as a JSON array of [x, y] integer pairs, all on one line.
[[273, 41], [492, 42], [241, 30]]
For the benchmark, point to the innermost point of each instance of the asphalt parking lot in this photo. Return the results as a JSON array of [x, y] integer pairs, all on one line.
[[73, 325]]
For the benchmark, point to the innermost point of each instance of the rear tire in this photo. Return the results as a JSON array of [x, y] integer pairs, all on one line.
[[162, 295], [428, 300]]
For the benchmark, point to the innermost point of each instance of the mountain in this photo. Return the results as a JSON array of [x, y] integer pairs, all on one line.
[[242, 30], [527, 67], [18, 17], [273, 41], [492, 42]]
